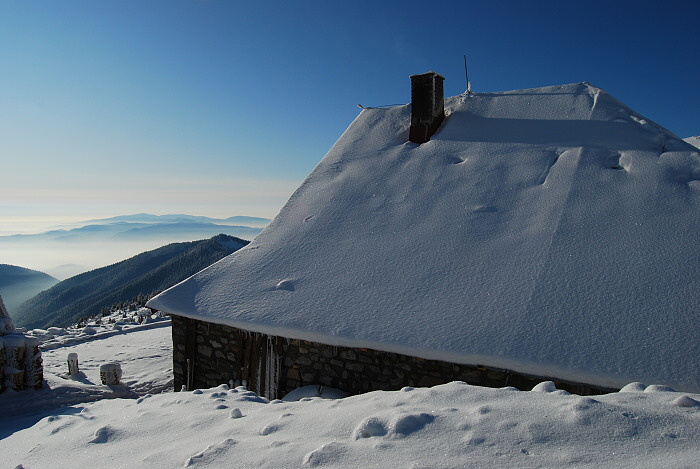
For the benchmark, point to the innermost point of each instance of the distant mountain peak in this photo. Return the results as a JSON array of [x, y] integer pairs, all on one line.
[[177, 218]]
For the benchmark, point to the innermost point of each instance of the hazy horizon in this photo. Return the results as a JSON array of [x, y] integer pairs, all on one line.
[[72, 252], [38, 224]]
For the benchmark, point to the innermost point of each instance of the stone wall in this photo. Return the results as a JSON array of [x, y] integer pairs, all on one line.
[[215, 358], [219, 357]]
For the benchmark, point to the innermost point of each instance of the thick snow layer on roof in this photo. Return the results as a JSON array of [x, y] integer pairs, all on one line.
[[550, 231], [695, 141]]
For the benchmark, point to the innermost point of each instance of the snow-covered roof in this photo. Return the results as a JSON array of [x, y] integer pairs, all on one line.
[[550, 231], [695, 141]]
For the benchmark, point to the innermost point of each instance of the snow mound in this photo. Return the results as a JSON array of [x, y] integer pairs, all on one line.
[[545, 386], [685, 401], [212, 454]]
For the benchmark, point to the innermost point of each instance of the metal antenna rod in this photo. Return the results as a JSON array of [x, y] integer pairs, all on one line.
[[466, 72], [466, 76]]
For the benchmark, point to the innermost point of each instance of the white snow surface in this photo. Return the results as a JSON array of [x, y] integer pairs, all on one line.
[[695, 141], [143, 350], [448, 426], [550, 231]]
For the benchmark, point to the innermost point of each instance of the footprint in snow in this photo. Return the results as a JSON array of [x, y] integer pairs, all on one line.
[[269, 429], [685, 401], [474, 439], [483, 410], [104, 435], [454, 160], [61, 427], [369, 427], [507, 425], [400, 426], [464, 426], [212, 453], [327, 454], [410, 423]]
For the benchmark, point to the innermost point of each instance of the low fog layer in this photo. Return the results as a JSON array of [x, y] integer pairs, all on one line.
[[98, 243]]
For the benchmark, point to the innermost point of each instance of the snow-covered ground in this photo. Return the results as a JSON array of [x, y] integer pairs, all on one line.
[[144, 351], [78, 422]]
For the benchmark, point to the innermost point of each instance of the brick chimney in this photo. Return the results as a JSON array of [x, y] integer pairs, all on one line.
[[427, 106]]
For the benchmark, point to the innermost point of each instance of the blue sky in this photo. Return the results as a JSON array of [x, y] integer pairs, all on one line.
[[221, 108]]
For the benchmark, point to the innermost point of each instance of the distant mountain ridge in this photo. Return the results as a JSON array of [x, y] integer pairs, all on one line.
[[18, 284], [123, 230], [255, 222], [88, 293], [96, 243]]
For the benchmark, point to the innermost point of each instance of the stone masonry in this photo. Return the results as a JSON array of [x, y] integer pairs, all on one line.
[[218, 352]]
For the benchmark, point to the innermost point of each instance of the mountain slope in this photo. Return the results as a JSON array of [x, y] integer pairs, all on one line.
[[18, 284], [87, 293]]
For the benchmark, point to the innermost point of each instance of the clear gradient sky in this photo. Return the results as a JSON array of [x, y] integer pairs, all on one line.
[[221, 108]]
